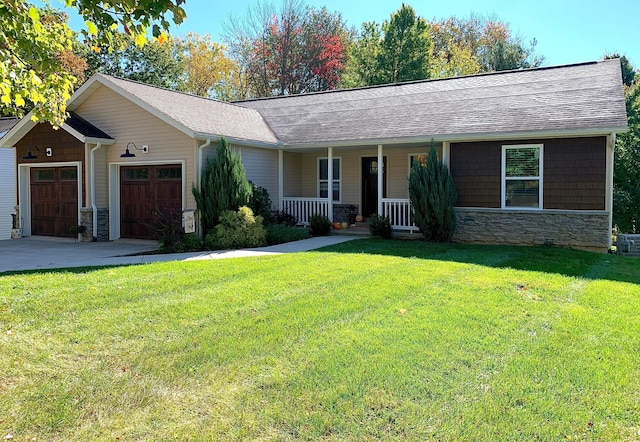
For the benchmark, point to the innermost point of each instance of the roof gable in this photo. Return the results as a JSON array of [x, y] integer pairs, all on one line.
[[81, 129]]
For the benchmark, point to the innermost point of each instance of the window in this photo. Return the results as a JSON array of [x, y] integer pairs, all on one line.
[[522, 176], [169, 172], [140, 173], [323, 178], [422, 157], [44, 175], [70, 174]]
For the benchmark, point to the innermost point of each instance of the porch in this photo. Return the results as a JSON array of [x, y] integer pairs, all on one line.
[[363, 180]]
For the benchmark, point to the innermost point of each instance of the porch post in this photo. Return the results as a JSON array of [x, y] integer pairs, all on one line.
[[608, 199], [330, 184], [446, 152], [380, 177], [280, 178]]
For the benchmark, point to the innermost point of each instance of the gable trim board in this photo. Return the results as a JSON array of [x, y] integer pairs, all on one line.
[[555, 105]]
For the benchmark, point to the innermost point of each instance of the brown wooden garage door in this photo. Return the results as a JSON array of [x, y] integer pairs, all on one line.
[[147, 193], [54, 200]]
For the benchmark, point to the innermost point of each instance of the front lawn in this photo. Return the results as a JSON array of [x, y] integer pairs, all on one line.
[[367, 340]]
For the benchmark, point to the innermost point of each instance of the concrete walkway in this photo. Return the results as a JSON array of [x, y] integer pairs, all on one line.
[[35, 253]]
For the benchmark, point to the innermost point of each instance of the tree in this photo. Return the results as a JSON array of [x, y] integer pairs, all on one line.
[[224, 186], [479, 44], [290, 50], [405, 47], [362, 61], [433, 195], [33, 41], [626, 173], [207, 71], [154, 63]]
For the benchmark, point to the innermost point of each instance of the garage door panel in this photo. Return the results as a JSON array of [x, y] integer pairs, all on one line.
[[145, 192], [54, 201]]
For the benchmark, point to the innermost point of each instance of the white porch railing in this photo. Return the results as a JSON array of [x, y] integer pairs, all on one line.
[[400, 213], [304, 208]]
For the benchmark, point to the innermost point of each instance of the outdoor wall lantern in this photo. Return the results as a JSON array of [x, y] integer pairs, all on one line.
[[128, 154], [30, 155]]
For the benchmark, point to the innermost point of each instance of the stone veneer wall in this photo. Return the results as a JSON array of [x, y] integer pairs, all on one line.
[[577, 229], [341, 212], [103, 224]]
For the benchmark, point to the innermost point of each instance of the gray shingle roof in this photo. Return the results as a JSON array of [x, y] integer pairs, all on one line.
[[577, 97], [6, 123], [85, 128], [200, 115]]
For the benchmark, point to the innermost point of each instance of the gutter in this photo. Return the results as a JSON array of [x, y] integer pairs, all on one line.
[[240, 141], [94, 208], [207, 144], [460, 138]]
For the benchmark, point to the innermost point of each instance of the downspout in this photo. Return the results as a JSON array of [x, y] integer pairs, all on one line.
[[199, 177], [207, 144], [94, 208], [609, 186]]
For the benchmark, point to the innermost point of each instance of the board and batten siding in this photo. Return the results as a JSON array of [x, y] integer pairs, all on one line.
[[127, 122], [7, 191], [574, 172]]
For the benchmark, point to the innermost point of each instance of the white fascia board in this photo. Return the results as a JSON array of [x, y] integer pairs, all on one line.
[[461, 138], [18, 131], [241, 141]]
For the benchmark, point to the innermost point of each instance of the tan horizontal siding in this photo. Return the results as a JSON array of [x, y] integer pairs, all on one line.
[[292, 174]]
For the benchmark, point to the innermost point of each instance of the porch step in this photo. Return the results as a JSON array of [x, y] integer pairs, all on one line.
[[360, 229]]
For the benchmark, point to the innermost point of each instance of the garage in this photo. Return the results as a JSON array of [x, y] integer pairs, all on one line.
[[54, 200], [147, 194]]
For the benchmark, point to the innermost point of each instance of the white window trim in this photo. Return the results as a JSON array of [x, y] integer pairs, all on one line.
[[540, 178], [329, 188], [409, 155]]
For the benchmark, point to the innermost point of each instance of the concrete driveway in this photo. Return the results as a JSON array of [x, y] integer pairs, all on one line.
[[35, 253]]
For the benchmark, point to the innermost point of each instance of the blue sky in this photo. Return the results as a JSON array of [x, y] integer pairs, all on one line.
[[567, 31]]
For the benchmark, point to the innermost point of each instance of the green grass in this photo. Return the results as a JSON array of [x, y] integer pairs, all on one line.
[[367, 340]]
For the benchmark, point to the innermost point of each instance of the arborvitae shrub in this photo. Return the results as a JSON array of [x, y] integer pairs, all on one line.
[[224, 186], [433, 196]]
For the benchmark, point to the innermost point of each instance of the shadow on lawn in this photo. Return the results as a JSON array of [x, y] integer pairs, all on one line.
[[536, 259]]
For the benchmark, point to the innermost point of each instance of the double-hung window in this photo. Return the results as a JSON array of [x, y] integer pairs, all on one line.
[[323, 178], [522, 176]]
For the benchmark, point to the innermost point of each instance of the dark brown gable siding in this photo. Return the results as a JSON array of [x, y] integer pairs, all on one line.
[[65, 146], [575, 173], [476, 171]]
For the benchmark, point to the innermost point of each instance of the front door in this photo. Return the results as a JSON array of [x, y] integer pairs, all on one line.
[[370, 170]]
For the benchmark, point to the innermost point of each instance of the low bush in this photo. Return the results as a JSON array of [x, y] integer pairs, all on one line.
[[191, 242], [380, 226], [320, 225], [282, 217], [260, 202], [279, 233], [237, 230]]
